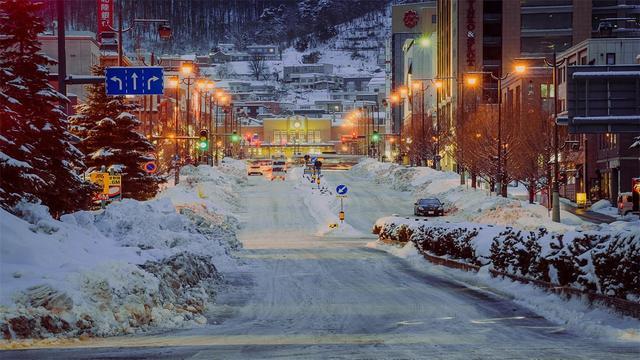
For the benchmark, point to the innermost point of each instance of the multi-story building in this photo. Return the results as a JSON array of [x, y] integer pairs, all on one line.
[[602, 164], [290, 70], [82, 53], [267, 52], [490, 35], [408, 22]]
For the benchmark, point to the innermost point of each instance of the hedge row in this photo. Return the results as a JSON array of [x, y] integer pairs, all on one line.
[[605, 261]]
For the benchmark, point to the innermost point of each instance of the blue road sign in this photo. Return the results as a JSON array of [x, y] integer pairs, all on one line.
[[141, 80], [342, 189]]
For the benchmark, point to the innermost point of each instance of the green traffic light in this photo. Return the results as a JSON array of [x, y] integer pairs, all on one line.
[[375, 137], [203, 145], [235, 138]]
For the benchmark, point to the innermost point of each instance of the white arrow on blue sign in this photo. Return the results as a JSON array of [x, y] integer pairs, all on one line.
[[140, 80], [341, 189]]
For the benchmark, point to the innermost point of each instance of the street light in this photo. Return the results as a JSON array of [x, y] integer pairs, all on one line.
[[520, 69], [175, 83], [555, 198], [472, 80]]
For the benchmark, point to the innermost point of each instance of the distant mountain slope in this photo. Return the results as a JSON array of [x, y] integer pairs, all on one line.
[[200, 24]]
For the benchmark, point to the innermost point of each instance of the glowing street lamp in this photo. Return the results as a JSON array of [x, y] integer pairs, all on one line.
[[424, 41], [186, 69], [520, 69], [472, 80], [403, 91]]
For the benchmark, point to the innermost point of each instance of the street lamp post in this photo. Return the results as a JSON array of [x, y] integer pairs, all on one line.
[[120, 30], [499, 79], [555, 198], [186, 70], [176, 151]]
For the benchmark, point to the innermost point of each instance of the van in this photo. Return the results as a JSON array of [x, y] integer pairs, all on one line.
[[625, 203]]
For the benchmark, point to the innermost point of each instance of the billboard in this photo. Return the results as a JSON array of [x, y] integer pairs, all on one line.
[[603, 99]]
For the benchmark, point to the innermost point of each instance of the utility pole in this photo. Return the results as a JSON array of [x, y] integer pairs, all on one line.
[[555, 199]]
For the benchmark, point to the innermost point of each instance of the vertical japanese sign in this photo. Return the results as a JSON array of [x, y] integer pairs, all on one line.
[[105, 16]]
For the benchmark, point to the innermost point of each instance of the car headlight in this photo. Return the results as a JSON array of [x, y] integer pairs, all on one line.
[[420, 207]]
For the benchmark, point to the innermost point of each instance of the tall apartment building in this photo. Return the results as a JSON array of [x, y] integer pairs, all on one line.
[[488, 35], [408, 22]]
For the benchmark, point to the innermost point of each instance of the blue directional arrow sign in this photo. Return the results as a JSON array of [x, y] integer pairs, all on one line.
[[141, 80], [341, 189]]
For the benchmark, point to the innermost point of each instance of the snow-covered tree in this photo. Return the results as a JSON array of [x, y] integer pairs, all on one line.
[[110, 138], [37, 159]]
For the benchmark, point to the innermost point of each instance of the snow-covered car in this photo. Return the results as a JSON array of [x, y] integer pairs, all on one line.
[[429, 206], [254, 169]]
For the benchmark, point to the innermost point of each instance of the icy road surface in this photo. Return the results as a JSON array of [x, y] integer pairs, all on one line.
[[303, 296]]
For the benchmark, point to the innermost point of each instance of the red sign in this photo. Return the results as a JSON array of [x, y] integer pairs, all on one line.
[[410, 19], [105, 16], [471, 34]]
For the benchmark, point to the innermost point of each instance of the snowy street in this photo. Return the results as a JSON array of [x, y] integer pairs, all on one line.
[[307, 296]]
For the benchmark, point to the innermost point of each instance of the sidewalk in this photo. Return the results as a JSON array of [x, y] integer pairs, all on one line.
[[587, 215]]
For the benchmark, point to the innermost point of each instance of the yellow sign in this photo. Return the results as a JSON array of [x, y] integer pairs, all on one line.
[[581, 199], [341, 215], [115, 179], [104, 179], [101, 178]]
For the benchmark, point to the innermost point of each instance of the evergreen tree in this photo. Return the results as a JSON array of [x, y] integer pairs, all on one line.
[[38, 160], [109, 138]]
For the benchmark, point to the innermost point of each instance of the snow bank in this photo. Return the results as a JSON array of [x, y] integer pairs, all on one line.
[[132, 266], [462, 203], [323, 204], [603, 259]]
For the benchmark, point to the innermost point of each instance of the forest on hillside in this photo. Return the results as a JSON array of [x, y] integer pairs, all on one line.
[[198, 25]]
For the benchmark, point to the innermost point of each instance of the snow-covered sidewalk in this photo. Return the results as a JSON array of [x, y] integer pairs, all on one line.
[[134, 265]]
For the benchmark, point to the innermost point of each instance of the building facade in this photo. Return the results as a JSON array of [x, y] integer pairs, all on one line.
[[82, 53], [603, 163]]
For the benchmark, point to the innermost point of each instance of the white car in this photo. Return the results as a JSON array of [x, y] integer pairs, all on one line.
[[254, 169]]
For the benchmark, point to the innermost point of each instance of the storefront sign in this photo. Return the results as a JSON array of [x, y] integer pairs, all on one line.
[[471, 34], [105, 16]]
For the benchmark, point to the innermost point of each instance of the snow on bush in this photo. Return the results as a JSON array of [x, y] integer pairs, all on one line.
[[604, 260], [129, 267]]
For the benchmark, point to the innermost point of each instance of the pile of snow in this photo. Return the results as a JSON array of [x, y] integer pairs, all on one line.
[[132, 266], [604, 207], [602, 259], [463, 203], [323, 205]]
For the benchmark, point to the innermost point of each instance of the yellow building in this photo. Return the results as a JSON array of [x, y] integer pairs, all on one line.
[[288, 136]]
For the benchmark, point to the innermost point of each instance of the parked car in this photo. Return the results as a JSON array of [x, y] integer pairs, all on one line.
[[625, 203], [280, 164], [278, 172], [429, 206], [254, 169]]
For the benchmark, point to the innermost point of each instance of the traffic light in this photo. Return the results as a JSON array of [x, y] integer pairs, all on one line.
[[235, 137], [375, 137], [203, 142], [354, 135]]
